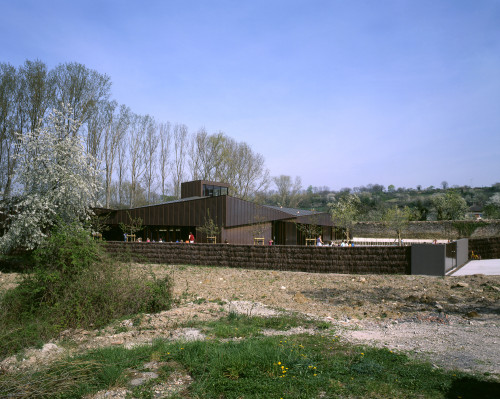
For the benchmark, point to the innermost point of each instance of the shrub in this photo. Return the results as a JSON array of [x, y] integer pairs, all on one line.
[[74, 284]]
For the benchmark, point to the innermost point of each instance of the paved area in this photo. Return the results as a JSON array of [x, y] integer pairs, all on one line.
[[490, 267]]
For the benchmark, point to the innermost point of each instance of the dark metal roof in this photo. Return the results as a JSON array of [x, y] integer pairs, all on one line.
[[169, 202], [292, 211]]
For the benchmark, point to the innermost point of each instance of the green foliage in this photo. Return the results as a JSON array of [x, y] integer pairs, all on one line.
[[209, 228], [74, 284], [132, 226], [240, 325], [491, 211], [69, 249], [312, 229], [492, 208], [17, 263], [345, 212], [397, 219], [450, 206], [467, 228]]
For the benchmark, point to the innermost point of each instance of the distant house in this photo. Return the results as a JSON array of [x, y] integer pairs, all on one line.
[[475, 212], [239, 221]]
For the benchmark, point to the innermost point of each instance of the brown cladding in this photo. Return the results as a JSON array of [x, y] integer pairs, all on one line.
[[235, 217]]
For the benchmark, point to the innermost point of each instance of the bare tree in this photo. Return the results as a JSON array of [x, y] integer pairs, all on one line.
[[81, 88], [288, 191], [114, 136], [151, 141], [8, 93], [122, 167], [26, 109], [137, 154], [36, 93], [250, 173], [217, 157], [98, 125], [180, 144], [164, 157]]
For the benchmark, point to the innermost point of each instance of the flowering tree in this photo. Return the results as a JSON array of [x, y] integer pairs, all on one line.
[[55, 183], [450, 206]]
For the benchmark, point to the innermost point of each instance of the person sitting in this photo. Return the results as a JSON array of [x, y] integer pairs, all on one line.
[[319, 241]]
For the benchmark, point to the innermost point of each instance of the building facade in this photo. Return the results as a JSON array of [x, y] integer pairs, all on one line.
[[237, 221]]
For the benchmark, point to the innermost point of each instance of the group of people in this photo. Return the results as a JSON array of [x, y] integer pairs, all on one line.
[[190, 238], [344, 243]]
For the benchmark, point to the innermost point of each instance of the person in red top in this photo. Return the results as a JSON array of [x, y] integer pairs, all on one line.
[[191, 238]]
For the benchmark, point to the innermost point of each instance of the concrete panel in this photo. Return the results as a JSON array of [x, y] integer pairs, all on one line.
[[428, 259], [462, 251]]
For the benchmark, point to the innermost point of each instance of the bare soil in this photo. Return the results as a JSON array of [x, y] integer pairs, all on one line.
[[451, 321]]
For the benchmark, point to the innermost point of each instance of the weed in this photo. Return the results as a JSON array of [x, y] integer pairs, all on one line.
[[74, 285]]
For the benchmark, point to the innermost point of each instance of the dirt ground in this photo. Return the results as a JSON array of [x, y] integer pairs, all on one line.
[[454, 322]]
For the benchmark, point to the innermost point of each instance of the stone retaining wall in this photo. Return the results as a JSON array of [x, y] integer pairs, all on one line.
[[445, 229], [355, 260], [486, 248]]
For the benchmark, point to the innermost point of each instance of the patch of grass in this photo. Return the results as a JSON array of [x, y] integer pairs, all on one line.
[[259, 367], [240, 325]]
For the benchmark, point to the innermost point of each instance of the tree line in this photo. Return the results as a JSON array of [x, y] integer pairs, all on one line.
[[142, 160], [375, 202]]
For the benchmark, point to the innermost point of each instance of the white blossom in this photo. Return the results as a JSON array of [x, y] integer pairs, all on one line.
[[55, 181]]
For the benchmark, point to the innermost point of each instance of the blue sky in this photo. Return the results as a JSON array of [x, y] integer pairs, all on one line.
[[341, 93]]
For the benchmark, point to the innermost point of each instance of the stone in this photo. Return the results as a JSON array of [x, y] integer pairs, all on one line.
[[460, 284], [142, 378], [300, 298]]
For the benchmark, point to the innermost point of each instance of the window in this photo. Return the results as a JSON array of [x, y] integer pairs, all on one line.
[[208, 191], [213, 191]]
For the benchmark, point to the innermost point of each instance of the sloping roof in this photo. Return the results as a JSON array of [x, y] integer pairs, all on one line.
[[293, 211], [242, 212], [169, 202]]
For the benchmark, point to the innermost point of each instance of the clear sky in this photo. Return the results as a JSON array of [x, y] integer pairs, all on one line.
[[342, 93]]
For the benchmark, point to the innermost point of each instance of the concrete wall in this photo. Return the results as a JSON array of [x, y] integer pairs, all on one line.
[[463, 251], [438, 259], [356, 260], [428, 259]]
